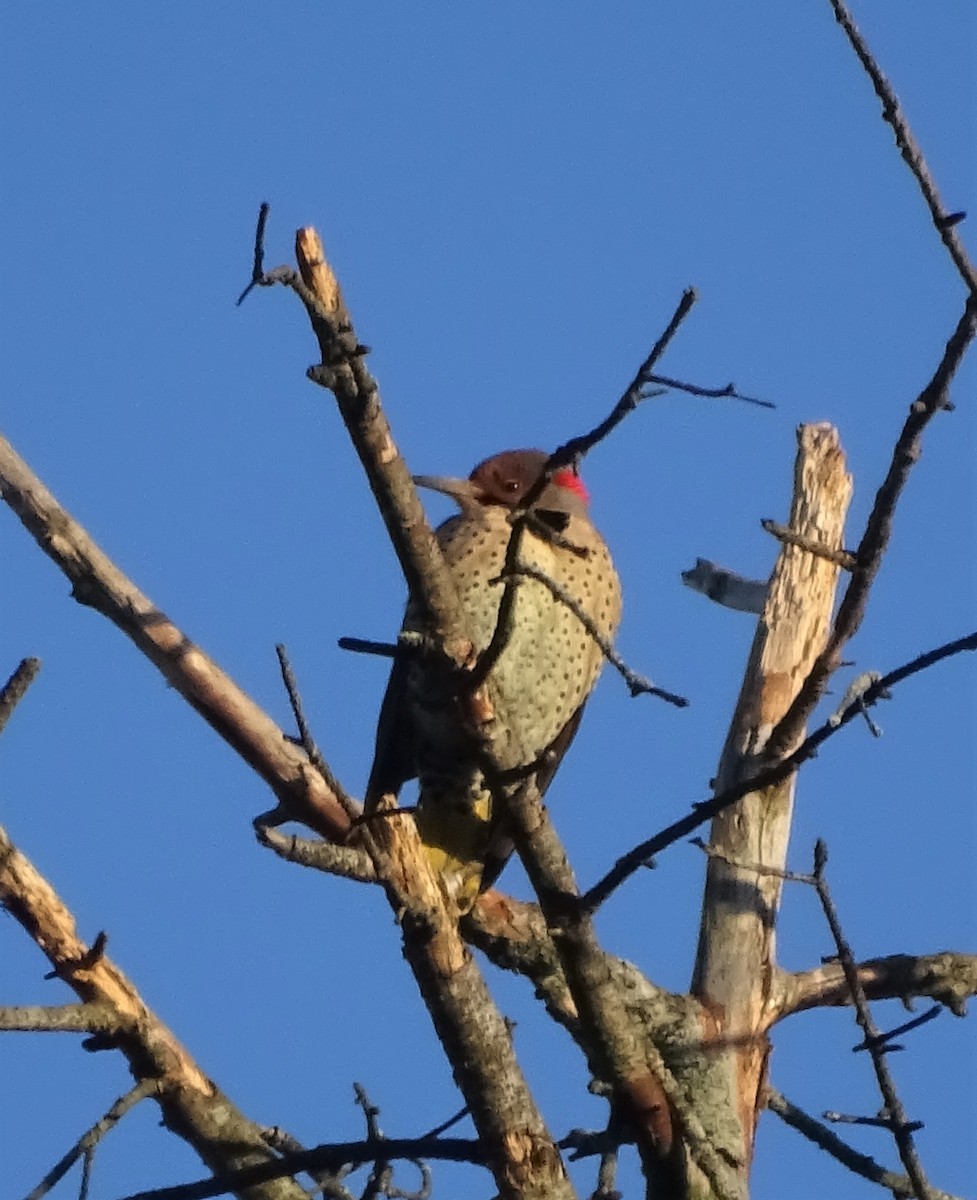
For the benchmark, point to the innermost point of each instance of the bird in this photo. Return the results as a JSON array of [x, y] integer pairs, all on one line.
[[544, 672]]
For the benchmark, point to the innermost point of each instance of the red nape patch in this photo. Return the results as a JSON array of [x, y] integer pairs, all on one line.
[[572, 482]]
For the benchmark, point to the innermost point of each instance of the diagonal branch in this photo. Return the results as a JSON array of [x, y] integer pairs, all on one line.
[[191, 1103], [767, 777], [909, 148], [894, 1112], [329, 1157], [519, 1149], [99, 583], [343, 371], [16, 686], [572, 452], [569, 454], [638, 685], [86, 1144], [652, 1101], [899, 1185]]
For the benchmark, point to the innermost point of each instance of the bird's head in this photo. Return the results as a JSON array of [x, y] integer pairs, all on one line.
[[506, 478]]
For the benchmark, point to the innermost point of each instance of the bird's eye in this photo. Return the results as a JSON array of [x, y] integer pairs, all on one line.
[[510, 485]]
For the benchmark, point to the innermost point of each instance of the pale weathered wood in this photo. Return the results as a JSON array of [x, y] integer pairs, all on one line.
[[735, 965], [191, 1103], [99, 583]]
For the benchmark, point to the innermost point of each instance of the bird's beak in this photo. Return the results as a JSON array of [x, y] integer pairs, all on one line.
[[462, 491]]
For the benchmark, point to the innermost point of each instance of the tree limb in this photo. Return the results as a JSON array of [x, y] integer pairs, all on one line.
[[948, 977], [519, 1149], [86, 1144], [909, 148], [99, 583], [94, 1017], [192, 1105], [16, 687], [818, 1133], [736, 938]]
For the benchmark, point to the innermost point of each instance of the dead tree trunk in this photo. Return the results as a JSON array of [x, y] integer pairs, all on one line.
[[736, 964]]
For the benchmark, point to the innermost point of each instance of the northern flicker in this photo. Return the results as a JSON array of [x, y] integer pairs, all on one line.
[[544, 673]]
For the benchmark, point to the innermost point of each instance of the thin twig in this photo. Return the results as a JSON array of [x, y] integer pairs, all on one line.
[[308, 742], [901, 1128], [573, 451], [16, 686], [909, 149], [636, 858], [878, 1122], [728, 392], [861, 1164], [506, 617], [381, 1170], [755, 868], [638, 685], [91, 1137], [568, 455], [885, 1039], [325, 1157], [841, 558], [258, 270], [438, 1130]]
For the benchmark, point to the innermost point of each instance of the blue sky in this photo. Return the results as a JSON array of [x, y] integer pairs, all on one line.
[[514, 198]]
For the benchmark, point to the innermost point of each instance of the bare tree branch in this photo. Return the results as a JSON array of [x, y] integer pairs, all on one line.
[[343, 370], [899, 1185], [519, 1149], [947, 977], [894, 1111], [573, 451], [909, 148], [349, 862], [638, 685], [86, 1144], [98, 582], [94, 1017], [728, 392], [305, 736], [768, 777], [326, 1157], [16, 687], [191, 1103], [656, 1105], [783, 533]]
